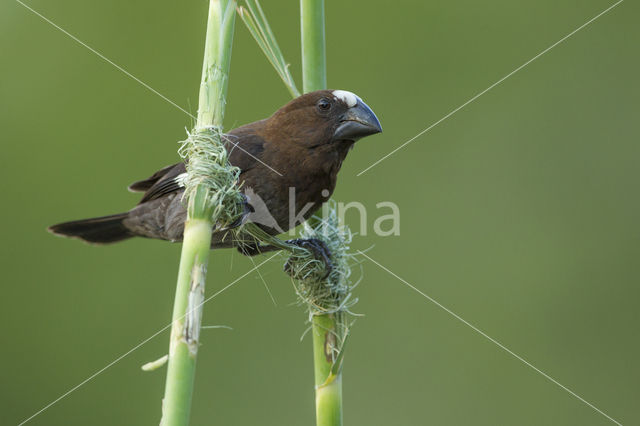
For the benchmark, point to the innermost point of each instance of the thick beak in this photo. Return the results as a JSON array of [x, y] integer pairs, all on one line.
[[359, 121]]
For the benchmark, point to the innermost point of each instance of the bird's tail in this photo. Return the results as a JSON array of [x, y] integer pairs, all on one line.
[[97, 230]]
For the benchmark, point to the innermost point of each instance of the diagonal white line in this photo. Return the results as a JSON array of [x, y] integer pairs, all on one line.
[[127, 73], [103, 369], [491, 87], [273, 299], [491, 339], [228, 139]]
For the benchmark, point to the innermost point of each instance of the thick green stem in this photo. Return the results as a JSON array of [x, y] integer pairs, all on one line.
[[215, 66], [187, 309], [187, 312], [328, 381], [329, 403], [314, 58]]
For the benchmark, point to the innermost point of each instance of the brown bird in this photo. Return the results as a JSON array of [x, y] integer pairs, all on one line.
[[297, 152]]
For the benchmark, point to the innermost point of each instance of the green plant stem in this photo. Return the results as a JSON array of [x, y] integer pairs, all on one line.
[[314, 53], [256, 21], [215, 66], [187, 309], [328, 381], [324, 327], [185, 328], [314, 58]]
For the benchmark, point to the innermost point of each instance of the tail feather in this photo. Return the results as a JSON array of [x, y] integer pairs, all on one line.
[[100, 230]]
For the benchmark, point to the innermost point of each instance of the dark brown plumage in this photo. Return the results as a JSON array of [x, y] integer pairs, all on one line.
[[301, 146]]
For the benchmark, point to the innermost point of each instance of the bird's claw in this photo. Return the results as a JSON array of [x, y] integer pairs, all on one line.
[[246, 211], [319, 250]]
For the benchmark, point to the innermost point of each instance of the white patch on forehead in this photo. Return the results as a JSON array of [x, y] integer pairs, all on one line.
[[351, 99]]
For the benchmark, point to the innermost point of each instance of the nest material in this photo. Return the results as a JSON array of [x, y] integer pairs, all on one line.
[[211, 181], [331, 294]]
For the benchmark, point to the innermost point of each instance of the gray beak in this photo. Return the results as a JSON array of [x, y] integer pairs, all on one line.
[[359, 121]]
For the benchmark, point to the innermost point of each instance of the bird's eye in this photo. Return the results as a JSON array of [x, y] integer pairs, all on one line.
[[324, 105]]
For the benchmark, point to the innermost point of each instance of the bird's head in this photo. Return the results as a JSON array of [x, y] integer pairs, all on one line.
[[326, 117]]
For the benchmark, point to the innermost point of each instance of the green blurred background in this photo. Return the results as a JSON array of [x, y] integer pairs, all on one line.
[[520, 213]]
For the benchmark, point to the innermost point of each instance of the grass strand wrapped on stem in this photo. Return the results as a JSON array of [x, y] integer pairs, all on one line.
[[328, 300]]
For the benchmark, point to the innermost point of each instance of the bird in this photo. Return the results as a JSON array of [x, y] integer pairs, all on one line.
[[288, 165]]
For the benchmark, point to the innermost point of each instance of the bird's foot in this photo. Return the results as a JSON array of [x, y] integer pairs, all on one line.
[[318, 249], [246, 211]]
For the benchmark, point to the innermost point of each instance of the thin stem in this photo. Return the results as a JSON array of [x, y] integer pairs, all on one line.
[[187, 311], [314, 59], [256, 21]]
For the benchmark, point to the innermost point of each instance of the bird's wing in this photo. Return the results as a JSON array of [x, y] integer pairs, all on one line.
[[244, 151], [144, 185], [165, 184]]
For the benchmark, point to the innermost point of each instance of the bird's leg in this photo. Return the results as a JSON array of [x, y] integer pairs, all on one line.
[[254, 249], [317, 247], [247, 211]]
